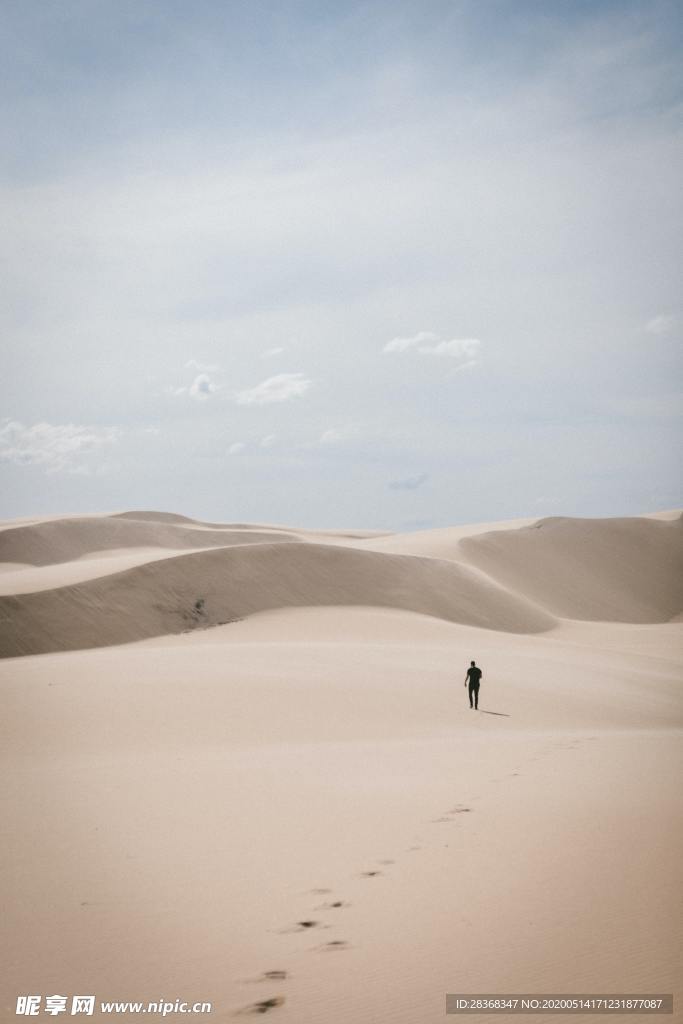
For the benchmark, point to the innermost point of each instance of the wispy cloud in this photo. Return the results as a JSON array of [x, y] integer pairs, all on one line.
[[254, 446], [331, 437], [410, 483], [426, 343], [56, 447], [270, 352], [662, 324], [280, 388], [419, 339], [336, 435]]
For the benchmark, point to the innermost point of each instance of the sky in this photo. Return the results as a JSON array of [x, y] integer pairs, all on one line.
[[390, 265]]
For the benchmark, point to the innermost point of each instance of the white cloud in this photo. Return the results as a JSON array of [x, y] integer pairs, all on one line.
[[335, 435], [427, 343], [411, 483], [269, 352], [331, 436], [236, 448], [401, 344], [202, 387], [662, 324], [56, 447], [268, 441], [457, 348], [279, 388]]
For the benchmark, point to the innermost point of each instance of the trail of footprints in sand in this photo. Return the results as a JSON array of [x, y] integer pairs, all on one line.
[[336, 945]]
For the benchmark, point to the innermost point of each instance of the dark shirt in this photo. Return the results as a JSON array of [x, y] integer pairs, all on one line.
[[474, 674]]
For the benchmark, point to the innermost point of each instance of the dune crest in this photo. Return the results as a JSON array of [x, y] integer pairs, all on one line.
[[177, 577], [269, 529], [63, 540]]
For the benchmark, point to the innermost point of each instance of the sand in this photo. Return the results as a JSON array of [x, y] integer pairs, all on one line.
[[179, 795]]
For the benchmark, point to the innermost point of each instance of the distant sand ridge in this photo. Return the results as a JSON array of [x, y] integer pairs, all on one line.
[[517, 580], [61, 540]]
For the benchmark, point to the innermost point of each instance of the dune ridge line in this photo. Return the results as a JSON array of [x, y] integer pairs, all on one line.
[[522, 579]]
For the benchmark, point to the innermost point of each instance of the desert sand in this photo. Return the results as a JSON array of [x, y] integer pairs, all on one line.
[[240, 767]]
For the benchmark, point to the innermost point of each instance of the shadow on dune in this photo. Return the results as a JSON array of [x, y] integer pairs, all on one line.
[[210, 588], [501, 714]]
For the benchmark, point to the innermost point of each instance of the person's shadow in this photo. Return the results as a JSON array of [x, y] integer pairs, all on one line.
[[500, 714]]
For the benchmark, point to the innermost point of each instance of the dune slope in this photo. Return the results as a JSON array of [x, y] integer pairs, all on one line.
[[211, 587], [627, 570], [517, 579]]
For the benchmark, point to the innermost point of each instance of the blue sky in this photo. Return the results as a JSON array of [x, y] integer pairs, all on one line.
[[392, 265]]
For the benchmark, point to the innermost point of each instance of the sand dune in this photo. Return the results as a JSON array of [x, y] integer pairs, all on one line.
[[62, 540], [442, 542], [297, 811], [211, 587], [27, 579], [94, 581], [150, 516], [270, 528], [628, 570]]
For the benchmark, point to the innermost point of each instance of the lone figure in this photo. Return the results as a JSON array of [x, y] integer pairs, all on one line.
[[473, 676]]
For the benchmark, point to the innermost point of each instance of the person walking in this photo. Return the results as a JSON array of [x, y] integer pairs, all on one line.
[[473, 678]]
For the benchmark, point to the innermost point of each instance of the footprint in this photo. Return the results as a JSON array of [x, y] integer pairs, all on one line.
[[370, 874], [386, 861], [301, 926], [320, 892], [460, 810], [268, 976], [335, 946], [264, 1005]]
